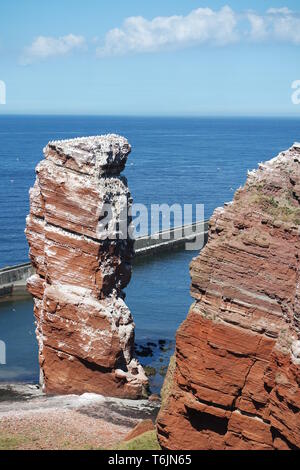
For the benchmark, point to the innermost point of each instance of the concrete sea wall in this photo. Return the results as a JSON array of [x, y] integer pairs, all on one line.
[[13, 278]]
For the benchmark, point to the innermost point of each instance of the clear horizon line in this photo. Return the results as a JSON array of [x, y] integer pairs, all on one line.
[[157, 116]]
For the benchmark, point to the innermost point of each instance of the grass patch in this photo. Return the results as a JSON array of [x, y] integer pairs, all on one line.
[[282, 208], [168, 382], [8, 442], [146, 441]]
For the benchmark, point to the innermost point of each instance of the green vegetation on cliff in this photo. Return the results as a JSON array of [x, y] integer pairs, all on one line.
[[167, 386], [146, 441]]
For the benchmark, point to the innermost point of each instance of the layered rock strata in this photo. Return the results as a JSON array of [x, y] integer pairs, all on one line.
[[85, 330], [235, 383]]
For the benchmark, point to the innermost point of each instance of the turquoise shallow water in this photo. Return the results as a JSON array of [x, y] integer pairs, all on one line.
[[185, 161]]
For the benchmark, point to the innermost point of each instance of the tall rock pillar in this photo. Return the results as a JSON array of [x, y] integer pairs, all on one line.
[[85, 330]]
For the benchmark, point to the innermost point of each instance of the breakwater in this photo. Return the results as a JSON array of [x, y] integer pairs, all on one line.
[[13, 278]]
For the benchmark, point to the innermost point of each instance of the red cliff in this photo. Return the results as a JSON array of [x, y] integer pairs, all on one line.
[[235, 382], [85, 330]]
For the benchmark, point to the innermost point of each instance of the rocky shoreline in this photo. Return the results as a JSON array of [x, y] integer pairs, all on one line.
[[29, 419]]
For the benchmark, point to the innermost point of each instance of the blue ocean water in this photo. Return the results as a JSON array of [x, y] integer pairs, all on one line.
[[188, 160], [158, 297], [174, 160]]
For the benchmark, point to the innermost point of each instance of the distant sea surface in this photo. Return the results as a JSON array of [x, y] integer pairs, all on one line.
[[174, 160]]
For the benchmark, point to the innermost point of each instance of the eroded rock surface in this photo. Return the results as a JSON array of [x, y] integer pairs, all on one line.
[[84, 328], [235, 384]]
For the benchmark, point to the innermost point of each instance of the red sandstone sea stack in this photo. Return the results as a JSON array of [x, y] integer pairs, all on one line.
[[235, 383], [85, 330]]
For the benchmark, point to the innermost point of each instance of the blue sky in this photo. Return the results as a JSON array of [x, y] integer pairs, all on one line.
[[173, 57]]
